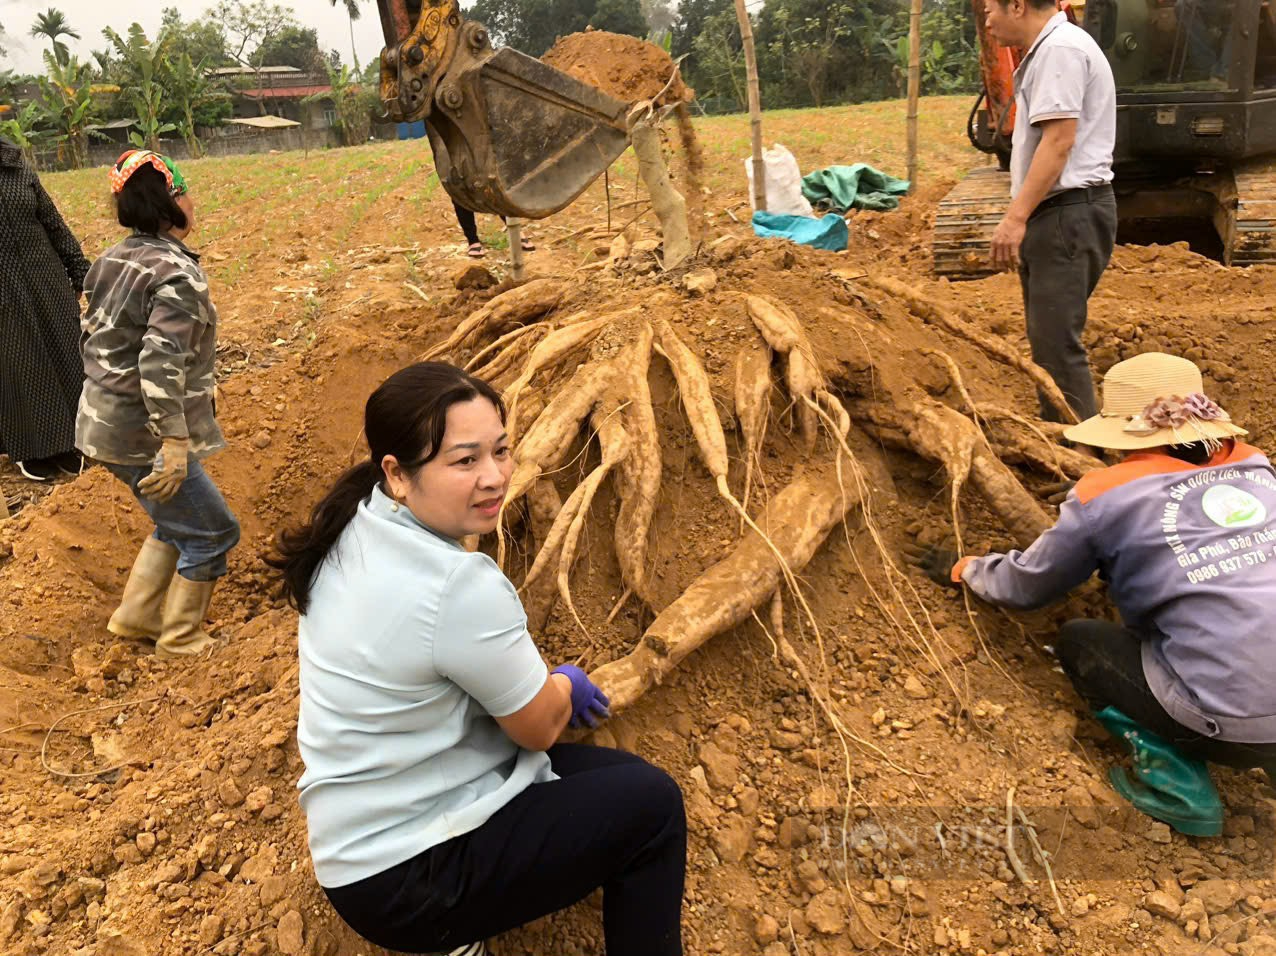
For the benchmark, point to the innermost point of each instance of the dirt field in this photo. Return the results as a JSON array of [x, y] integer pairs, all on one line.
[[149, 807]]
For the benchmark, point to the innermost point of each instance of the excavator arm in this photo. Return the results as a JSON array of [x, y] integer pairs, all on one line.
[[511, 136]]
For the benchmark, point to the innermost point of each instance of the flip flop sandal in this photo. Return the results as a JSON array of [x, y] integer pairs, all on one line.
[[528, 245], [476, 250]]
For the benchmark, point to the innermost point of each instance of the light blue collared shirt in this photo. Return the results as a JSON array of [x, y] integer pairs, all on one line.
[[410, 646]]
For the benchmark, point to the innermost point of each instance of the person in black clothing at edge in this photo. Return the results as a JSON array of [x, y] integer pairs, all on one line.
[[42, 272]]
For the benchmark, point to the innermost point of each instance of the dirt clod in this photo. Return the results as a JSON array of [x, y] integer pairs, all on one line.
[[622, 66], [211, 928], [471, 275], [1216, 895], [1162, 904], [826, 913], [291, 934], [722, 770]]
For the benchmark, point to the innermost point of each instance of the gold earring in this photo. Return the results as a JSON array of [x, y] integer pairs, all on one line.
[[394, 505]]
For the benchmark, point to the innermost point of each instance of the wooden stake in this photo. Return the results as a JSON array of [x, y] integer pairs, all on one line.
[[914, 85], [755, 105], [514, 229]]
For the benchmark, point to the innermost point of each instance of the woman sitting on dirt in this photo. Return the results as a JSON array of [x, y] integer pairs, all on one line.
[[147, 411], [441, 811], [1182, 531]]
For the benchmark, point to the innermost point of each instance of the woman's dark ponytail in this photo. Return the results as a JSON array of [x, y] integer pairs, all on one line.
[[300, 551], [405, 417]]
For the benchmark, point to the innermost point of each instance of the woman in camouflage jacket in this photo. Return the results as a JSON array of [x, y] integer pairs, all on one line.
[[147, 412]]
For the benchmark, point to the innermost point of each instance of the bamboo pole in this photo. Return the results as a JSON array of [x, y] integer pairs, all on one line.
[[514, 230], [755, 105], [914, 84]]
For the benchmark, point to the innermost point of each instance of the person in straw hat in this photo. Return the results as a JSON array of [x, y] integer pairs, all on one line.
[[1182, 530]]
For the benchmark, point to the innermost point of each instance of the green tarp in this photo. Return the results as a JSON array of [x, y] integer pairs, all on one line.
[[853, 187]]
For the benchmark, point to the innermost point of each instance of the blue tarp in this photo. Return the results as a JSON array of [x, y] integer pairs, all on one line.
[[829, 232]]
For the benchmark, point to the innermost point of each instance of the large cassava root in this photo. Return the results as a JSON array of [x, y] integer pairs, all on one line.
[[926, 308], [611, 393], [941, 434], [670, 207], [513, 307], [797, 520], [581, 414]]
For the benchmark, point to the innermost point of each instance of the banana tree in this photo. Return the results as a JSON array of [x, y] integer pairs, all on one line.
[[66, 105], [21, 127], [352, 101], [189, 88], [145, 60]]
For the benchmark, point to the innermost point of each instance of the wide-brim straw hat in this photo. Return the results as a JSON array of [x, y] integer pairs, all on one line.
[[1150, 400]]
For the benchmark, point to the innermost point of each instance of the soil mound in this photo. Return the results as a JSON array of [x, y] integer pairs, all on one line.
[[846, 788], [622, 66]]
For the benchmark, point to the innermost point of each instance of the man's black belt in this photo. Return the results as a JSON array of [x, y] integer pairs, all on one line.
[[1071, 197]]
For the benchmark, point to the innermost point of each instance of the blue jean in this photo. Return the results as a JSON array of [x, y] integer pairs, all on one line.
[[196, 520]]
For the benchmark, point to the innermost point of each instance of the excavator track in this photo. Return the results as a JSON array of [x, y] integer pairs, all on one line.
[[1255, 232], [965, 222], [968, 215]]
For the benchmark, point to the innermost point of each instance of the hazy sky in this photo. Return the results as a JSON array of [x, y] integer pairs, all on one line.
[[88, 17]]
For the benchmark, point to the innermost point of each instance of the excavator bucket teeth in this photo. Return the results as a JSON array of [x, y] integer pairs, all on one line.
[[515, 137]]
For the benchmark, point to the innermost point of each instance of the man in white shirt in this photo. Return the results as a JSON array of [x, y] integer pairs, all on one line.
[[1061, 224]]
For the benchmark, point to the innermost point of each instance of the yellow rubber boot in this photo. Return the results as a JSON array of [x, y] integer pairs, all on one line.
[[183, 634], [141, 610]]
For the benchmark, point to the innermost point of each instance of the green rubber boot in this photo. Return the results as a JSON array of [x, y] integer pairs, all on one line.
[[1167, 785]]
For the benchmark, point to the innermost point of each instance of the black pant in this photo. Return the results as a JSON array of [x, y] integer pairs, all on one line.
[[612, 820], [468, 224], [1065, 249], [1104, 661]]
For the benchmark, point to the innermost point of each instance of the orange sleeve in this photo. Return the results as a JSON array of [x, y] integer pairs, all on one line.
[[960, 566]]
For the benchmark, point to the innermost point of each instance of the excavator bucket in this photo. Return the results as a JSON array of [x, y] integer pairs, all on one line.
[[511, 136], [515, 137]]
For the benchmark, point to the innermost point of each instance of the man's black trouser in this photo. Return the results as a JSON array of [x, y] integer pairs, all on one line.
[[612, 820], [1065, 249], [1104, 661]]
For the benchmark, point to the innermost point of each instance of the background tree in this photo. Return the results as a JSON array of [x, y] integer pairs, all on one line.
[[4, 52], [532, 26], [950, 51], [146, 62], [9, 83], [690, 23], [66, 106], [22, 128], [250, 25], [619, 16], [660, 16], [353, 100], [353, 13], [715, 65], [293, 45], [194, 98], [203, 40], [53, 24]]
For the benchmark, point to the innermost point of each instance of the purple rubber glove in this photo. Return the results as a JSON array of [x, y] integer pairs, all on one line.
[[588, 702]]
